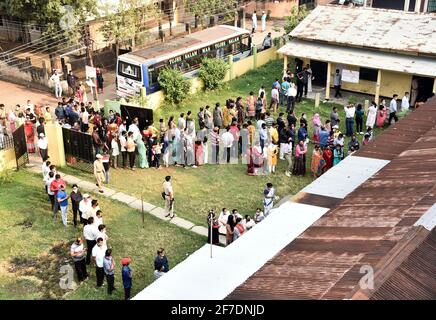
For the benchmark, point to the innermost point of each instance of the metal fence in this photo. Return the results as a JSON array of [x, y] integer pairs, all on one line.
[[79, 151], [6, 142]]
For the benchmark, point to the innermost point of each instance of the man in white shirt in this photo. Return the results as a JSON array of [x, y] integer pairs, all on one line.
[[102, 234], [405, 102], [123, 149], [48, 180], [42, 145], [45, 168], [227, 140], [56, 79], [274, 99], [98, 219], [393, 109], [135, 129], [84, 207], [350, 110], [254, 20], [90, 234], [181, 122], [222, 219], [291, 93], [84, 116], [98, 253]]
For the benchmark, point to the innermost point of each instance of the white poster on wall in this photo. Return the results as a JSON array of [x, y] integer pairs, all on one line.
[[350, 76], [91, 72]]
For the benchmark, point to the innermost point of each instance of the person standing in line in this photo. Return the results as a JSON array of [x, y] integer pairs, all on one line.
[[334, 117], [90, 234], [168, 195], [56, 80], [123, 144], [98, 254], [393, 109], [372, 114], [359, 119], [309, 78], [161, 265], [106, 165], [215, 143], [115, 151], [72, 83], [263, 21], [109, 270], [78, 254], [42, 145], [84, 206], [337, 82], [130, 148], [99, 172], [55, 187], [62, 198], [76, 198], [267, 42], [350, 111], [254, 21], [50, 178], [100, 80], [126, 274]]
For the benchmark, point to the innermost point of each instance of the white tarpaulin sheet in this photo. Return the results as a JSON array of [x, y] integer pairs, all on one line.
[[350, 76], [342, 179], [201, 278]]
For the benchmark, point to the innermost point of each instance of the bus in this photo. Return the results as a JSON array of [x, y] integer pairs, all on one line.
[[141, 68]]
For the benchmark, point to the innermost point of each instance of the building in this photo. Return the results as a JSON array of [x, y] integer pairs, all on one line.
[[380, 51], [377, 242]]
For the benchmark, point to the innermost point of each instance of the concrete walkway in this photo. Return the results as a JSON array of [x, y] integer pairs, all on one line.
[[135, 203]]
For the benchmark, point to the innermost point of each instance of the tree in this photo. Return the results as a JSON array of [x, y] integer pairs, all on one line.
[[297, 15], [212, 72], [126, 22], [204, 8], [174, 85]]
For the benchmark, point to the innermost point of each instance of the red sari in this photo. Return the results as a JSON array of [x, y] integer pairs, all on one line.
[[30, 136], [381, 117], [199, 155], [328, 157]]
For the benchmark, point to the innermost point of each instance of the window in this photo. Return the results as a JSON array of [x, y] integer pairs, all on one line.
[[129, 71], [368, 74], [431, 6]]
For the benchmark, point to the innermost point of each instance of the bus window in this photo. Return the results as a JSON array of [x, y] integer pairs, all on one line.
[[245, 43], [130, 71]]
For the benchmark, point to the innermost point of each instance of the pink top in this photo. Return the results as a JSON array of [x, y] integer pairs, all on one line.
[[300, 150]]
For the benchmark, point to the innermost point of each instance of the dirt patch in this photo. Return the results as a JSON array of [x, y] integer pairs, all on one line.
[[26, 224], [46, 268]]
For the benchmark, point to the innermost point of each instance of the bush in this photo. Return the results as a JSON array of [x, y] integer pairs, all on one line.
[[174, 85], [212, 72], [5, 176]]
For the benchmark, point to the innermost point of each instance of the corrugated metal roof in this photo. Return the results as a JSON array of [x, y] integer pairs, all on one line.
[[360, 57], [372, 28], [365, 227]]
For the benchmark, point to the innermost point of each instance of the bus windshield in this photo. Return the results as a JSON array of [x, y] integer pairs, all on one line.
[[129, 70]]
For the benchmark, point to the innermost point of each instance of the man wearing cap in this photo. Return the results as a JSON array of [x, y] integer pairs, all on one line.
[[99, 172], [126, 274], [42, 145]]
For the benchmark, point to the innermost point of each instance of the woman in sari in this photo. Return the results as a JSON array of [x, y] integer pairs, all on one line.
[[143, 163], [381, 115], [299, 168], [338, 155], [255, 159], [12, 118], [328, 158], [199, 153], [318, 163], [316, 120], [30, 135]]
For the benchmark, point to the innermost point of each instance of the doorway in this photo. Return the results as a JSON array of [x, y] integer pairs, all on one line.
[[319, 73], [424, 89]]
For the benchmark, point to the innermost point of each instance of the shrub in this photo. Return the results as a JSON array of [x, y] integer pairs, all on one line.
[[174, 85], [5, 176], [212, 72]]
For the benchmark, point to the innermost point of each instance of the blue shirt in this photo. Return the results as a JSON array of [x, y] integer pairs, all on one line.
[[62, 195], [323, 138], [127, 277], [302, 134], [275, 84], [160, 262], [285, 87]]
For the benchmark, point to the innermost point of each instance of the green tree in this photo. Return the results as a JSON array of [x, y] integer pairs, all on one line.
[[126, 22], [297, 15], [212, 72], [203, 8], [174, 85]]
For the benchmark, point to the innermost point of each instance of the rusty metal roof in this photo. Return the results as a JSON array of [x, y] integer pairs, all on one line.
[[365, 227], [394, 30]]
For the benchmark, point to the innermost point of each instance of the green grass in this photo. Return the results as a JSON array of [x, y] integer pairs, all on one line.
[[212, 186], [30, 257]]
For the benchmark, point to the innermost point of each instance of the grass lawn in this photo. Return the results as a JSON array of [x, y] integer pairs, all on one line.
[[34, 247], [211, 186]]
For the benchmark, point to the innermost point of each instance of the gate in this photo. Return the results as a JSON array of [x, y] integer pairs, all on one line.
[[20, 147], [78, 148]]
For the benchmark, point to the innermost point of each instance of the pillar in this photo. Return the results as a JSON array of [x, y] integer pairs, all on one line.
[[55, 139], [406, 5], [254, 57], [317, 98], [285, 64], [366, 106], [230, 62], [434, 86], [327, 86], [418, 5], [377, 87]]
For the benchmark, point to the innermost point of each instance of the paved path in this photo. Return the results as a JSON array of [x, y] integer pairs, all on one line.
[[135, 203]]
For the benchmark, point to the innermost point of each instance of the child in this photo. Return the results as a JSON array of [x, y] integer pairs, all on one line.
[[366, 139], [258, 216], [338, 155], [126, 273], [156, 151]]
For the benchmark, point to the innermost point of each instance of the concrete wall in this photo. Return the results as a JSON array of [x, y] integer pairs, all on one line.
[[7, 159], [56, 151]]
